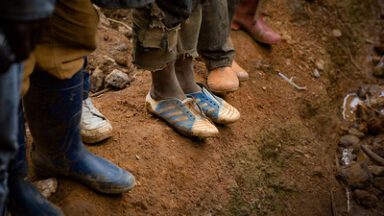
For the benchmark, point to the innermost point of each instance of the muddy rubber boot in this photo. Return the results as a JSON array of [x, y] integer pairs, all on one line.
[[53, 109], [24, 198]]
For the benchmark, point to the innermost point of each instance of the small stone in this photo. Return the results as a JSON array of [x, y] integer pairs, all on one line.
[[378, 71], [336, 33], [121, 60], [264, 88], [137, 157], [376, 170], [97, 80], [355, 175], [348, 140], [378, 182], [122, 47], [316, 73], [125, 31], [365, 198], [46, 187], [320, 64], [117, 79], [355, 132]]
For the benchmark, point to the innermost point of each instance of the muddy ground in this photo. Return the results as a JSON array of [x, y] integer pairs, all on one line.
[[279, 159]]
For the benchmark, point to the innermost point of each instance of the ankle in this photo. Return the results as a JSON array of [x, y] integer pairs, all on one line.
[[166, 94], [190, 88]]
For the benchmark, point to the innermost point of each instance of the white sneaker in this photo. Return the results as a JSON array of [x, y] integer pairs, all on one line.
[[94, 126]]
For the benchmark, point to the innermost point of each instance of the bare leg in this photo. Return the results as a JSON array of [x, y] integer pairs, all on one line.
[[248, 16], [165, 84], [185, 75]]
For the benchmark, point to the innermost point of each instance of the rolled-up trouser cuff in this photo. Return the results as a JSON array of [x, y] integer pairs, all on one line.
[[213, 64], [155, 45]]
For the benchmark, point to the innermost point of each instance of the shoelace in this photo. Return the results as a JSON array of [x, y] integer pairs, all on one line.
[[195, 108]]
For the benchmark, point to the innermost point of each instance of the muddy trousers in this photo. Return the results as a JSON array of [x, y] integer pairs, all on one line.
[[9, 100], [215, 45], [155, 46]]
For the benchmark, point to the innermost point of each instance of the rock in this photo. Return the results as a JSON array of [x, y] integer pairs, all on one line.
[[348, 140], [355, 132], [336, 33], [46, 187], [117, 79], [122, 47], [316, 73], [378, 71], [97, 80], [355, 175], [376, 170], [121, 60], [320, 64], [106, 62], [365, 198], [378, 182], [125, 31]]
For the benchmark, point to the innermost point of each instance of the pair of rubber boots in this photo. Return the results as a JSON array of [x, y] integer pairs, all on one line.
[[53, 110]]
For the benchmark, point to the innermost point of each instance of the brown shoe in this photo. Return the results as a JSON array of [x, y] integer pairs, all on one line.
[[240, 72], [222, 80]]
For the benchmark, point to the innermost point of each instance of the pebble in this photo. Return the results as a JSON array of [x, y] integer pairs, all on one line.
[[355, 175], [378, 71], [320, 64], [121, 60], [46, 187], [348, 140], [117, 79], [122, 47], [97, 80], [336, 33], [316, 73], [125, 31], [365, 198], [376, 170], [355, 132]]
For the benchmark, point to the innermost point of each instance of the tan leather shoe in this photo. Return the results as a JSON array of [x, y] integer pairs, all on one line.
[[222, 80], [240, 72]]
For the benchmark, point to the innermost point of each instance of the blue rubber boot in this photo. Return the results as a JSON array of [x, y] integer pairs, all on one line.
[[24, 198], [53, 110]]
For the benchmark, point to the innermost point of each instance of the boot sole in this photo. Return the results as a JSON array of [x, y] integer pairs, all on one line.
[[46, 173]]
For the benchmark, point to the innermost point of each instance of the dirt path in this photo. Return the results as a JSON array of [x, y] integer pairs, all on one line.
[[277, 160]]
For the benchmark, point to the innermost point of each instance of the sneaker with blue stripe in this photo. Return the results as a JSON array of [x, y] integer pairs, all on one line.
[[184, 116], [215, 108]]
